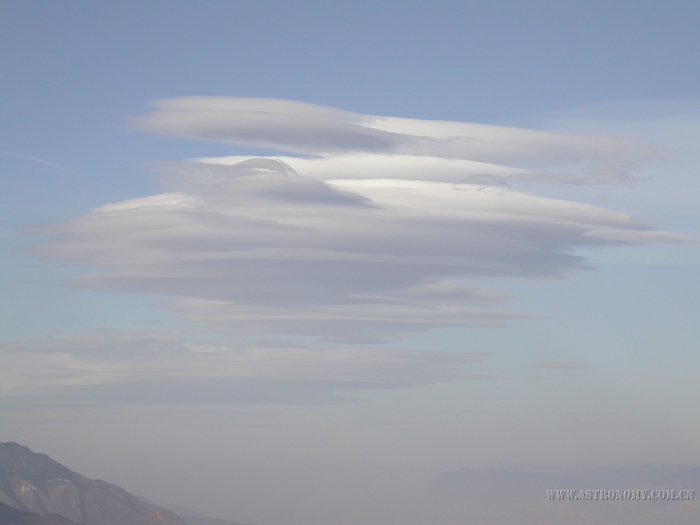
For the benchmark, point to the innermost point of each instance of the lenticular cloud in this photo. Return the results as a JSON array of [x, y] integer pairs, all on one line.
[[353, 145], [377, 225]]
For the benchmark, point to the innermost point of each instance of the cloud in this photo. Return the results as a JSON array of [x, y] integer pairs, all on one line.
[[382, 226], [564, 365], [267, 123], [178, 366], [257, 246], [411, 167], [436, 146]]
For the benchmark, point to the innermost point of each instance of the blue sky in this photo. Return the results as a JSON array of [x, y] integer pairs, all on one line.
[[346, 339]]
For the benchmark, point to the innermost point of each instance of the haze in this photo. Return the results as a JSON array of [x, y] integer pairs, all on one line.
[[280, 261]]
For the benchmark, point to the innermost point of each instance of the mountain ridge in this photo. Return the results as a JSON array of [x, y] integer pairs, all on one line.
[[35, 483], [12, 516]]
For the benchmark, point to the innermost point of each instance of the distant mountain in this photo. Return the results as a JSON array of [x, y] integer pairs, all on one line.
[[519, 495], [474, 485], [524, 482], [34, 483], [687, 478]]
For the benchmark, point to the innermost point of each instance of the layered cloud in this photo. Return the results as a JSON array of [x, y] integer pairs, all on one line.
[[256, 246], [120, 367], [380, 227], [387, 147]]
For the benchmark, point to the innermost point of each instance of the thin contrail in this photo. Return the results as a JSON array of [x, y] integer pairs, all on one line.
[[80, 176], [40, 161]]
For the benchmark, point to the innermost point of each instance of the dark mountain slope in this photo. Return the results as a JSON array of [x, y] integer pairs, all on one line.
[[12, 516], [35, 483]]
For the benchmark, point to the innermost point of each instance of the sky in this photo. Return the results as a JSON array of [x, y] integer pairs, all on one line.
[[423, 235]]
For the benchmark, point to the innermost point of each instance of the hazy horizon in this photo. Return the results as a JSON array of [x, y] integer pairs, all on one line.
[[371, 243]]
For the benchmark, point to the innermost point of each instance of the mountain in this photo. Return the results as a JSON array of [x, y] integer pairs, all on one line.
[[11, 516], [34, 483], [523, 482], [519, 495]]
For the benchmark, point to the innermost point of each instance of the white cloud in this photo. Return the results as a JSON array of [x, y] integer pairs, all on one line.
[[302, 128], [379, 231], [412, 167], [257, 247]]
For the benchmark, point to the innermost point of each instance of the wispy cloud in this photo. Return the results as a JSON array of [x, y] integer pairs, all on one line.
[[564, 365], [167, 366]]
